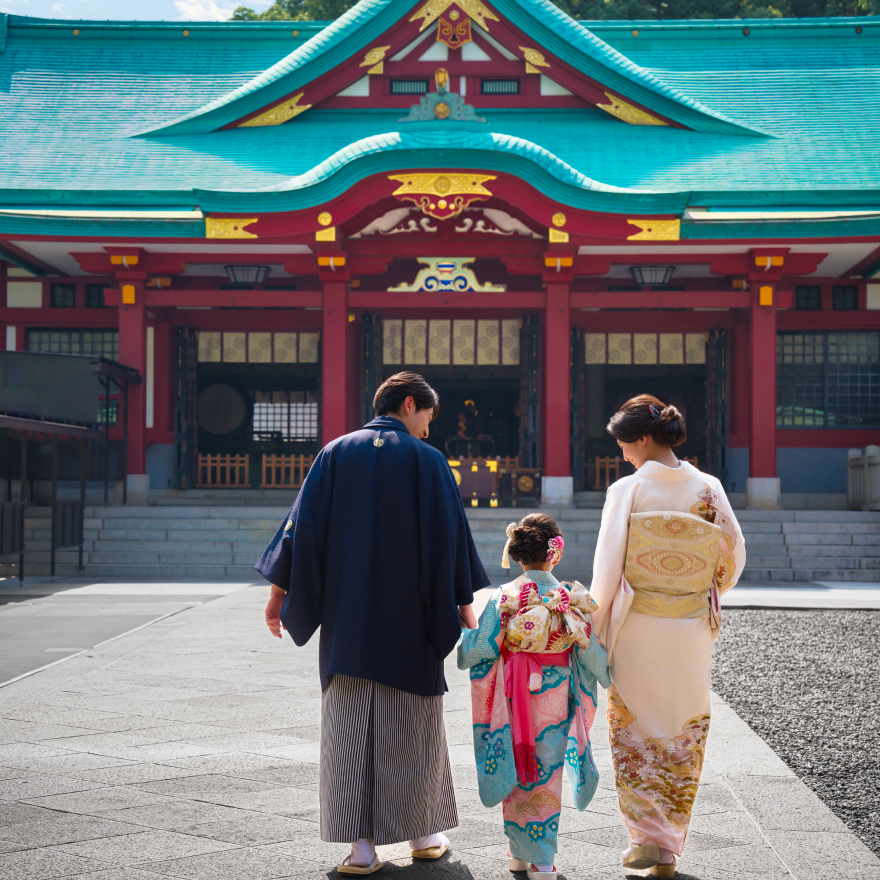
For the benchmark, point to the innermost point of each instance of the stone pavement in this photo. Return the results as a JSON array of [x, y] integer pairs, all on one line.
[[189, 749]]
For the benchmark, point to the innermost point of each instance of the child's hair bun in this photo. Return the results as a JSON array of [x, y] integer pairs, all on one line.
[[531, 538]]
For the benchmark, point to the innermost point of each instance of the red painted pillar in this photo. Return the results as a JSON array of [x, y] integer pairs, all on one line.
[[762, 422], [557, 387], [133, 353], [334, 367]]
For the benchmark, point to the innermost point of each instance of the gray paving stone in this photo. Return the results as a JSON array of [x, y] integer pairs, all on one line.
[[64, 828], [39, 785], [173, 813], [144, 847], [109, 799], [741, 860], [126, 773], [253, 863], [42, 864], [280, 801], [250, 829], [834, 854], [213, 788], [803, 811]]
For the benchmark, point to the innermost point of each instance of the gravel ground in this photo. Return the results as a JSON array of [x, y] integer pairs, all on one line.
[[808, 682]]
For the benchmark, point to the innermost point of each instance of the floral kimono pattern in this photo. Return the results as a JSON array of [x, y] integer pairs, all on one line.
[[535, 614]]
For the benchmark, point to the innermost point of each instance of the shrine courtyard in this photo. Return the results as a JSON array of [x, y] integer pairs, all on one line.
[[188, 747]]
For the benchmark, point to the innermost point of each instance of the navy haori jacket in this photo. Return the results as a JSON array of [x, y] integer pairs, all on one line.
[[377, 551]]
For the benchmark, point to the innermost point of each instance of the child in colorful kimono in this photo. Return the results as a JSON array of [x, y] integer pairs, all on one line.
[[535, 664]]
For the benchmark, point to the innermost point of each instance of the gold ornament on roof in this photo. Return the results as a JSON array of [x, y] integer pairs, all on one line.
[[282, 112], [441, 110], [558, 219], [632, 115], [441, 78], [474, 9], [534, 59], [375, 59], [441, 195], [442, 184], [325, 218], [228, 227], [655, 230]]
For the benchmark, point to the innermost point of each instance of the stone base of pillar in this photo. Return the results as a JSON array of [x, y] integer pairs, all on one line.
[[557, 492], [136, 488], [762, 493]]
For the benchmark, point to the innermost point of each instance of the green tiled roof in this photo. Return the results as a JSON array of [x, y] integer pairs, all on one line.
[[73, 107], [369, 19]]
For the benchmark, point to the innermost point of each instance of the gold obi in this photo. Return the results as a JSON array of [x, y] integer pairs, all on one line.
[[670, 563]]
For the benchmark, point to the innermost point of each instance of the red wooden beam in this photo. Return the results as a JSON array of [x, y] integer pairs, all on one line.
[[294, 299], [663, 299], [499, 301], [826, 319]]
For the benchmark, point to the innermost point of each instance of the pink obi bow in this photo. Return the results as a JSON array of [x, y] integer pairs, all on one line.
[[523, 673]]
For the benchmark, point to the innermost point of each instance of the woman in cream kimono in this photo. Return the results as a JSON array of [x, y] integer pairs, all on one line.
[[668, 547]]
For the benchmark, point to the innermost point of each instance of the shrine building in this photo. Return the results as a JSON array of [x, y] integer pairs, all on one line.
[[543, 216]]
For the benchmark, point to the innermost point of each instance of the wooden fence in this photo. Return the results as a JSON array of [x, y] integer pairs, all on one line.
[[223, 472], [285, 471]]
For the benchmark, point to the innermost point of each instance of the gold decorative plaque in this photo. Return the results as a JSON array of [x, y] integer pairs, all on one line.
[[279, 113], [441, 184], [656, 230], [632, 115], [474, 9], [558, 219], [534, 59], [228, 227], [375, 59], [325, 218]]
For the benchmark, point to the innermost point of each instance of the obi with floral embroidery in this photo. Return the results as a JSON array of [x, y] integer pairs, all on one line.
[[535, 666]]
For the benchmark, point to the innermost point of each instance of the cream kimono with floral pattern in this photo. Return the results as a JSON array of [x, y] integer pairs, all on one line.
[[658, 702]]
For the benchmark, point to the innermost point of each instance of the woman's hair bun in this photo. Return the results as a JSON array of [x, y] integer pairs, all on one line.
[[531, 538], [646, 416]]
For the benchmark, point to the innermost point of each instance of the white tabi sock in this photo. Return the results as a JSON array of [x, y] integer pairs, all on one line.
[[363, 852], [428, 841], [544, 869]]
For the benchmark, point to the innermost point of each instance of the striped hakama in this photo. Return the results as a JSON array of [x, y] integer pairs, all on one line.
[[385, 770]]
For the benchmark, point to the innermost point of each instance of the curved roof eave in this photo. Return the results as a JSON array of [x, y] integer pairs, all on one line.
[[368, 19], [384, 153]]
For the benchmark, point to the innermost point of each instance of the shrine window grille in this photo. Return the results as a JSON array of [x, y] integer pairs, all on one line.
[[499, 87], [114, 412], [63, 296], [828, 380], [96, 343], [845, 298], [409, 87], [95, 296], [285, 415], [808, 298]]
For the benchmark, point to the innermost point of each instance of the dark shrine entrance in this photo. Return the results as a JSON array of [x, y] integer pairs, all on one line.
[[479, 414], [699, 390]]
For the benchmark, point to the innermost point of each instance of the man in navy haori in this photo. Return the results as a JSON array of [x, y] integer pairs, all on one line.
[[377, 552]]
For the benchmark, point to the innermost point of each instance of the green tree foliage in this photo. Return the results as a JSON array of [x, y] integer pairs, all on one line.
[[328, 10]]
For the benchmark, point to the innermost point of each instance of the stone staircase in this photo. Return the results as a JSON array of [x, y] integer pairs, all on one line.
[[38, 543], [211, 542]]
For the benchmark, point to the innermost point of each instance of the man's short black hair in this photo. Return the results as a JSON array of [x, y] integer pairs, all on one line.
[[394, 391]]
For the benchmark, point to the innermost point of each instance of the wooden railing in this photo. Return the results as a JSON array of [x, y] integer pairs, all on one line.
[[285, 471], [605, 466], [223, 472], [608, 466]]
